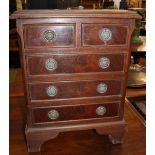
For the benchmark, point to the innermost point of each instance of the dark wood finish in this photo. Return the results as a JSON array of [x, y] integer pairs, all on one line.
[[76, 101], [91, 32], [34, 35], [107, 13], [31, 26], [77, 142], [36, 138], [75, 112], [16, 89], [71, 89], [82, 63]]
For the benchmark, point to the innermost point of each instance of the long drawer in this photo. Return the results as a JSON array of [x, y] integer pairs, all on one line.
[[49, 35], [74, 89], [73, 63], [76, 112]]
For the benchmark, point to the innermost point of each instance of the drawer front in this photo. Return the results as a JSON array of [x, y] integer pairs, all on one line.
[[59, 64], [104, 35], [66, 113], [49, 35], [74, 89]]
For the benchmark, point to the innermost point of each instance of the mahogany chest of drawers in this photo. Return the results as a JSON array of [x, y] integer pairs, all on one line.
[[75, 65]]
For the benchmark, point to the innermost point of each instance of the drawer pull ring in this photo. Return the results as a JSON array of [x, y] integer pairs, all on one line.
[[52, 91], [53, 114], [51, 64], [105, 34], [102, 88], [104, 62], [101, 110], [50, 35]]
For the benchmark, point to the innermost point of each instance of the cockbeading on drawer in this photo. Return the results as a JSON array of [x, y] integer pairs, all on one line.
[[104, 35], [74, 89], [53, 114], [49, 35], [43, 64]]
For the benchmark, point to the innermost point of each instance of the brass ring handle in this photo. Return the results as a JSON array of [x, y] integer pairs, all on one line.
[[105, 34], [104, 62], [49, 35], [102, 88], [101, 110], [52, 91], [51, 64], [53, 114]]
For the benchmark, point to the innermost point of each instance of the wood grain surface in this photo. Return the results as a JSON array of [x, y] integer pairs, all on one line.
[[77, 142], [55, 30]]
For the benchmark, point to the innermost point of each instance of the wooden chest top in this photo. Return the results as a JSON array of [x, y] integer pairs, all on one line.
[[107, 13]]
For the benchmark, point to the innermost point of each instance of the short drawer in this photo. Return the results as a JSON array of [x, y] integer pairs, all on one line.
[[104, 35], [63, 64], [74, 89], [76, 112], [49, 35]]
